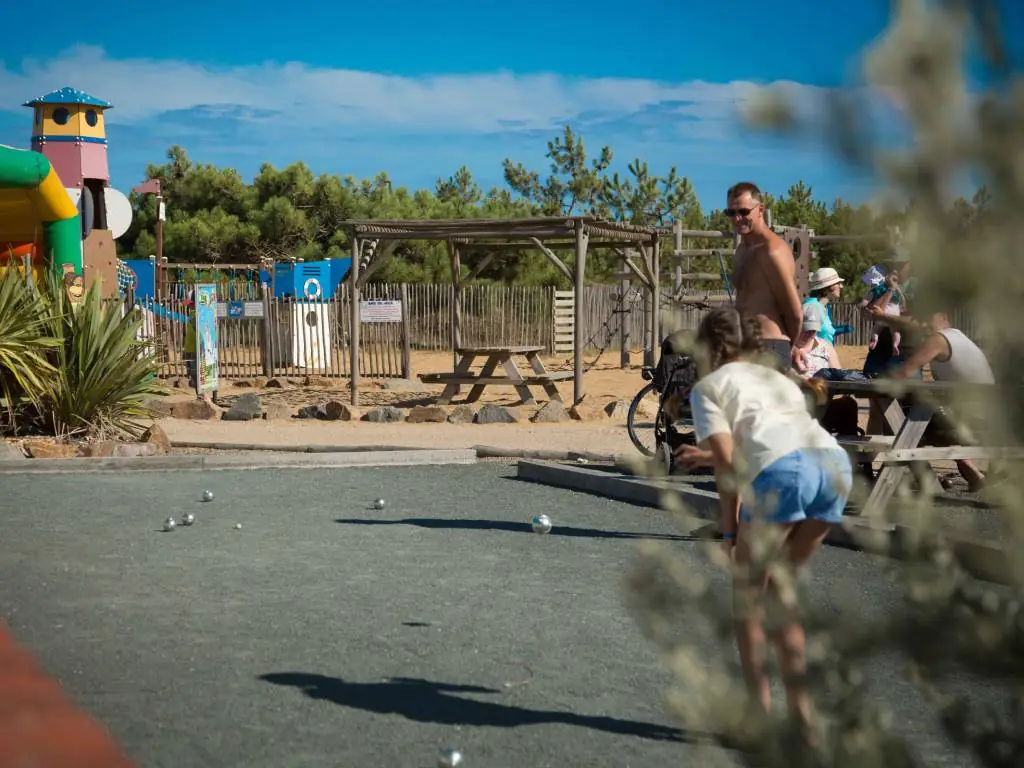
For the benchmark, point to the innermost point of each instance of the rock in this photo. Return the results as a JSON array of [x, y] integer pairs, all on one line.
[[99, 450], [495, 414], [156, 436], [135, 450], [43, 449], [550, 413], [586, 410], [422, 414], [180, 383], [617, 410], [461, 414], [246, 408], [277, 412], [312, 412], [276, 383], [157, 406], [202, 410], [404, 385], [11, 452], [338, 411], [387, 413], [321, 382]]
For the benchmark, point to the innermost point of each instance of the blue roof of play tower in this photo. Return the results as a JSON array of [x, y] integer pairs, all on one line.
[[68, 95]]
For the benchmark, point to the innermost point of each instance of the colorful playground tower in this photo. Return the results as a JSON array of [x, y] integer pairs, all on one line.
[[69, 130], [68, 138]]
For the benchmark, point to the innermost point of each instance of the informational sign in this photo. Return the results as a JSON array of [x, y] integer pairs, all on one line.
[[236, 310], [206, 338], [380, 311]]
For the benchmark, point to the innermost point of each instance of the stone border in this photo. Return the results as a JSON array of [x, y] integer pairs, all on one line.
[[981, 558], [392, 458]]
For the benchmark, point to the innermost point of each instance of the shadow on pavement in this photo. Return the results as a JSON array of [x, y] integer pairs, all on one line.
[[425, 701], [509, 527]]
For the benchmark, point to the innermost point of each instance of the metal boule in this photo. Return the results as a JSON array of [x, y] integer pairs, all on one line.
[[541, 524], [449, 757]]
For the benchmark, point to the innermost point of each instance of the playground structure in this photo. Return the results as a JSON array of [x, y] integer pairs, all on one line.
[[57, 209], [37, 216]]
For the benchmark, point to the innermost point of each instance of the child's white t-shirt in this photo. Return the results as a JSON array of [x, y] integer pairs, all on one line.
[[764, 411]]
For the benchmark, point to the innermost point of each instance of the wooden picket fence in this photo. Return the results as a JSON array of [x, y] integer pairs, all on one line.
[[289, 337]]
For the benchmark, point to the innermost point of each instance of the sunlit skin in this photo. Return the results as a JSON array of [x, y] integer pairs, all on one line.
[[764, 272]]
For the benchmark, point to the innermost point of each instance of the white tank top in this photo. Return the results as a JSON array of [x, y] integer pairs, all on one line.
[[966, 363]]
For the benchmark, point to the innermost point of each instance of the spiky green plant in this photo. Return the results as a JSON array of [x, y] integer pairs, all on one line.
[[25, 346], [102, 372]]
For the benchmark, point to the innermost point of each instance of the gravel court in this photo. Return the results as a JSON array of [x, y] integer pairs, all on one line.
[[324, 633]]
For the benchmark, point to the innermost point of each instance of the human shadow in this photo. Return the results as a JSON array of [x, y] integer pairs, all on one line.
[[425, 701], [438, 523]]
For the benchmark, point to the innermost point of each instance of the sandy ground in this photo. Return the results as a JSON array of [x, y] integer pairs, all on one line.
[[605, 382]]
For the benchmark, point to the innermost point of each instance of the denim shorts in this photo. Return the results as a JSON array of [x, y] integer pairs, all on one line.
[[809, 484]]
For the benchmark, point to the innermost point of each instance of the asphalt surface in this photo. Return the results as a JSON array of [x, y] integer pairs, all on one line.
[[326, 633]]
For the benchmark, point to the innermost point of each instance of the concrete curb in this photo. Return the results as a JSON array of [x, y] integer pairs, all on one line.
[[482, 451], [397, 458], [983, 559]]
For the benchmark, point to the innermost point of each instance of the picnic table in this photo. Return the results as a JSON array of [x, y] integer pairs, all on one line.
[[497, 356], [903, 448]]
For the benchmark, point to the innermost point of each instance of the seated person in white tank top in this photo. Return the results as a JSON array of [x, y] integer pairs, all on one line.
[[816, 352], [952, 357]]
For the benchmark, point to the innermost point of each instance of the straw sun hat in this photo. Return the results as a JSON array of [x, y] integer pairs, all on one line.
[[825, 277]]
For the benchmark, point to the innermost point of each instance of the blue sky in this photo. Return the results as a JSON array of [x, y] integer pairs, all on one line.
[[420, 88]]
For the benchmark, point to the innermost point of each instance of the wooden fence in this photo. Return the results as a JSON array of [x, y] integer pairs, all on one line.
[[263, 336]]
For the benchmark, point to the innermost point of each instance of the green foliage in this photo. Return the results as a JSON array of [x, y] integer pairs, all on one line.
[[71, 371], [25, 367], [214, 216], [102, 373]]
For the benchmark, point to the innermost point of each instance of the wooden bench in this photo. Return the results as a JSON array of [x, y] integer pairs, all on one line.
[[497, 356], [903, 448], [444, 378]]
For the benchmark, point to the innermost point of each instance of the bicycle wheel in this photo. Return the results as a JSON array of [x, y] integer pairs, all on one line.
[[643, 429]]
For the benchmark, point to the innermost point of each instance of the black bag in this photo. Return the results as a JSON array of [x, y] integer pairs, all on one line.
[[675, 375]]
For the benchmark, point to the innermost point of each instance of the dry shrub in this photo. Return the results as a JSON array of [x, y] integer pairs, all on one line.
[[951, 622]]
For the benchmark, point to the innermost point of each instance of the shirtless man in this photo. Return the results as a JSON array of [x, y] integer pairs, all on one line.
[[764, 274]]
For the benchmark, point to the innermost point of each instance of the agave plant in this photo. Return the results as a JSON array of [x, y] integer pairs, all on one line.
[[25, 346], [102, 374]]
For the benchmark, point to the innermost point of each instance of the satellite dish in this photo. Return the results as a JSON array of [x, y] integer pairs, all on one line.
[[119, 212]]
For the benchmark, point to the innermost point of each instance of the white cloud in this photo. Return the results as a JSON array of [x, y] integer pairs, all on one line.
[[348, 100]]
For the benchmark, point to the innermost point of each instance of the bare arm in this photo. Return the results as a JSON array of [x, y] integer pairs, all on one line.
[[721, 447], [781, 275], [934, 346], [833, 356]]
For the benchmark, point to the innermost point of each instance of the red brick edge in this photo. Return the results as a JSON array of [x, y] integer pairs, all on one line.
[[39, 724]]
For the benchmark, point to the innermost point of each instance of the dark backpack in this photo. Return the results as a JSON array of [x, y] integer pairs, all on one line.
[[676, 371]]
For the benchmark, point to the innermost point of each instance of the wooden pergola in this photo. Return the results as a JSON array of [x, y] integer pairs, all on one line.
[[638, 246]]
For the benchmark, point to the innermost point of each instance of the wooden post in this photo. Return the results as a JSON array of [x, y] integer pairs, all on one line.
[[625, 321], [268, 357], [648, 351], [406, 348], [579, 285], [353, 312], [456, 262], [160, 213], [655, 299]]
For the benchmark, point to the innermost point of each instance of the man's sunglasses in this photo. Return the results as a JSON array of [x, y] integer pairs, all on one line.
[[732, 212]]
